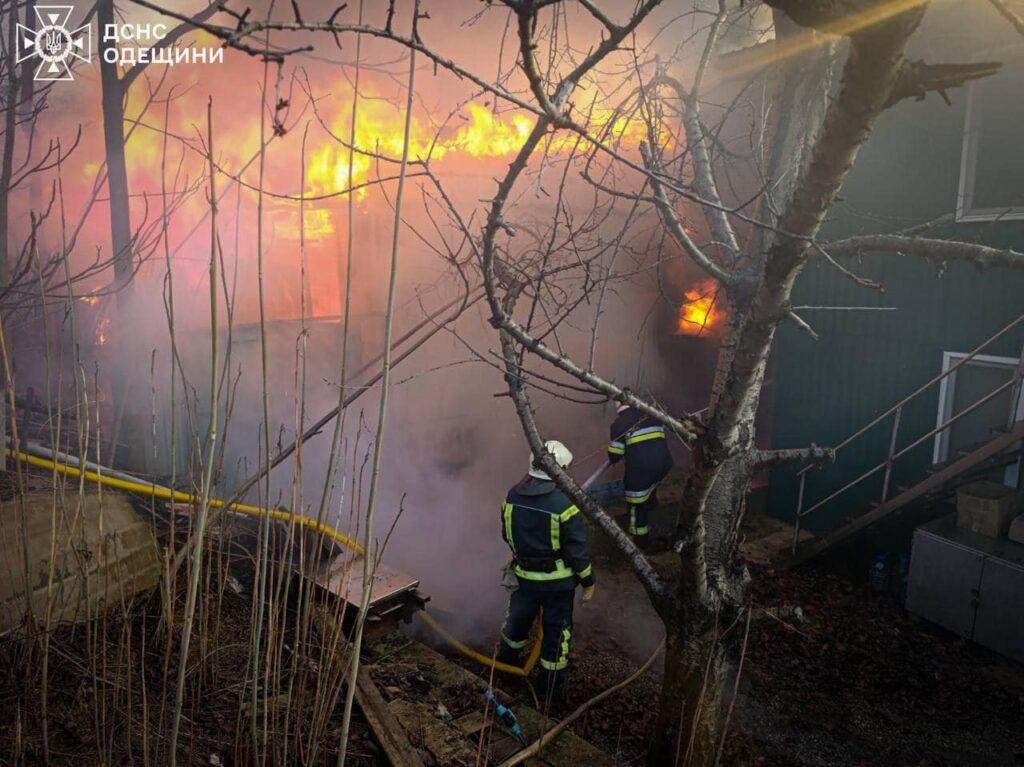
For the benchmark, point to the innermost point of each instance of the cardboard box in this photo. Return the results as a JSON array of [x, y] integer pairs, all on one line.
[[986, 508], [1017, 529]]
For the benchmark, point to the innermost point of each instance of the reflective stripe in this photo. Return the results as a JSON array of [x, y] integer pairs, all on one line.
[[563, 653], [560, 571], [646, 430], [585, 572], [639, 496], [506, 515], [568, 514], [556, 533], [642, 435], [553, 665], [633, 529], [645, 438], [617, 448], [513, 645]]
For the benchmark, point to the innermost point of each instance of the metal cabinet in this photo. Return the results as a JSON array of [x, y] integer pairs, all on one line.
[[969, 584]]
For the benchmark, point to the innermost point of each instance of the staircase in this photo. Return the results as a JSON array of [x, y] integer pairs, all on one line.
[[937, 479]]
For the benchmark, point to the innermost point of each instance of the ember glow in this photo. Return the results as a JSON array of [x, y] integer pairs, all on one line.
[[102, 331], [701, 311]]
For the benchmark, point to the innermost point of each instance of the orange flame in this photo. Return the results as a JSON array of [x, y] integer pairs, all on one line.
[[102, 328], [700, 310], [479, 132]]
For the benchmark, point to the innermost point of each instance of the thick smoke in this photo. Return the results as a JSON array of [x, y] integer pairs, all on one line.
[[452, 444]]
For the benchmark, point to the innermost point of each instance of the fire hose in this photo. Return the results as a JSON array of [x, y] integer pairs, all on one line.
[[73, 467]]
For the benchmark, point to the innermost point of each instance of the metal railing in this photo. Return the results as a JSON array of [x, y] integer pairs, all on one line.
[[896, 412]]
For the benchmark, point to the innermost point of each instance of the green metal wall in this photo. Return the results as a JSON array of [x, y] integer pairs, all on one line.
[[821, 391]]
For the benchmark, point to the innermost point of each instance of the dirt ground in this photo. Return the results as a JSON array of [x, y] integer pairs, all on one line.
[[857, 682], [866, 683]]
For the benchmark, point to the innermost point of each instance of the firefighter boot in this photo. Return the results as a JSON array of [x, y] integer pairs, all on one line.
[[551, 688], [510, 655]]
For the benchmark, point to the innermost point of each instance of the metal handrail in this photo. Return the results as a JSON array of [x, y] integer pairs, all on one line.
[[896, 410], [922, 389], [898, 454]]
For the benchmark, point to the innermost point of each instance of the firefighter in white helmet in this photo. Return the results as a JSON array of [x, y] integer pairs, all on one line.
[[548, 539]]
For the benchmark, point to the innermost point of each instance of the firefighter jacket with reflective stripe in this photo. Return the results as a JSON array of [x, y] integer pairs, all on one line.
[[547, 536], [639, 439]]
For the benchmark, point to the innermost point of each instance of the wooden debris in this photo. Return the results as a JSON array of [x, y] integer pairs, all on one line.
[[105, 553], [389, 733], [567, 750], [471, 724], [445, 742]]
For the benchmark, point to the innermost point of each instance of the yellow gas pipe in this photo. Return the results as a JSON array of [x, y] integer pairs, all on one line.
[[178, 496]]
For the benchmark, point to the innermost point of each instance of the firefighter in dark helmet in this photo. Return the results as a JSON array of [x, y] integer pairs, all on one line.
[[545, 532], [640, 440]]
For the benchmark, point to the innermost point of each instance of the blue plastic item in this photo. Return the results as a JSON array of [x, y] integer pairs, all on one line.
[[506, 716]]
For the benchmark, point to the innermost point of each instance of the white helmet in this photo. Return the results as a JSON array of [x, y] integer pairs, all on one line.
[[562, 456]]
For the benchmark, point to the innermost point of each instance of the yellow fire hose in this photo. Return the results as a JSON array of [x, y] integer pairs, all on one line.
[[531, 660], [178, 496]]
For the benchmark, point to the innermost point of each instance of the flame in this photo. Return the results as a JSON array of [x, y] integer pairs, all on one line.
[[473, 141], [700, 310], [479, 133], [102, 328]]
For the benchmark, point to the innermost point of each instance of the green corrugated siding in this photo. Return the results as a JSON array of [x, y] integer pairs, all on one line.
[[865, 361]]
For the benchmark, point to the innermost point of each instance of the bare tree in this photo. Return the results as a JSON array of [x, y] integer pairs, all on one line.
[[115, 87]]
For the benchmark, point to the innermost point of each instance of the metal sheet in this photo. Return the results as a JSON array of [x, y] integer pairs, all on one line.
[[343, 577], [999, 624], [943, 583]]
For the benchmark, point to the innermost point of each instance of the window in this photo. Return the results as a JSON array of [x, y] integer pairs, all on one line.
[[992, 163], [969, 391]]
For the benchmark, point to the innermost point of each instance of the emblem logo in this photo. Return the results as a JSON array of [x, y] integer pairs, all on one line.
[[53, 43]]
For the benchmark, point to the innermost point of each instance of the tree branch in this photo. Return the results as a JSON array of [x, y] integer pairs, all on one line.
[[767, 459], [918, 78], [651, 581], [675, 226], [1007, 13], [940, 251], [170, 39]]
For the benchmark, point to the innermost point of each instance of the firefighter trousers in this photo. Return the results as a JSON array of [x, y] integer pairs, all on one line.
[[640, 514], [555, 609]]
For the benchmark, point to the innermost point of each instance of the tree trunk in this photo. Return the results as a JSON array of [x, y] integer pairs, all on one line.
[[130, 448], [699, 649], [113, 142], [7, 161], [698, 665]]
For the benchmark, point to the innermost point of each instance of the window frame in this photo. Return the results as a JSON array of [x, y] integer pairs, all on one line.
[[965, 210], [947, 392]]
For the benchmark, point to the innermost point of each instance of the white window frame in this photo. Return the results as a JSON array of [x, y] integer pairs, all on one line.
[[965, 210], [947, 391]]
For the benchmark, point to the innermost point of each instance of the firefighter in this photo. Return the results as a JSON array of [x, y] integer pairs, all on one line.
[[641, 441], [545, 532]]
